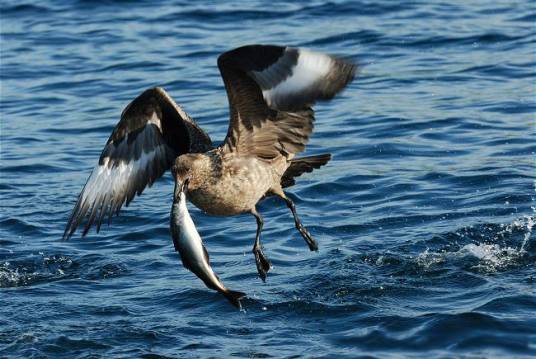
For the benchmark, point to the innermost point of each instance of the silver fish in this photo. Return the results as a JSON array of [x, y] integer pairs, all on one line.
[[193, 253]]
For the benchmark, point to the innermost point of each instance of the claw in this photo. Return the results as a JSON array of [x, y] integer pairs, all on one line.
[[313, 246], [263, 264]]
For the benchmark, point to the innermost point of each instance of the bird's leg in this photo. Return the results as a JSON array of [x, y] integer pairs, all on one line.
[[263, 264], [299, 226]]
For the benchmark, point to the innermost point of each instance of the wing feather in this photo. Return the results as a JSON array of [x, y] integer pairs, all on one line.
[[152, 132], [271, 90]]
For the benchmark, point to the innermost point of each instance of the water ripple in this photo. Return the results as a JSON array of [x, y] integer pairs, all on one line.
[[425, 215]]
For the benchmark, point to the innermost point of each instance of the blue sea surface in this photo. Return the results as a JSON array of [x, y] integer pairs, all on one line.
[[425, 216]]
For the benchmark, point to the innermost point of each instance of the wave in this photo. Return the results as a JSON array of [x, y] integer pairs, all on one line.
[[41, 268]]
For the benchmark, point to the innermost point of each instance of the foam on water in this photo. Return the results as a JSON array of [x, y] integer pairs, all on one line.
[[492, 256], [495, 248]]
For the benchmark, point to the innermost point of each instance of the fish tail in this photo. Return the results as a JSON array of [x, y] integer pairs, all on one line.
[[234, 297]]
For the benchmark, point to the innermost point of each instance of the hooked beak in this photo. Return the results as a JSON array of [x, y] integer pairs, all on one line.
[[184, 185], [180, 188]]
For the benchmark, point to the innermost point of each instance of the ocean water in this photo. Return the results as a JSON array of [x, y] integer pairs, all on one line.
[[425, 217]]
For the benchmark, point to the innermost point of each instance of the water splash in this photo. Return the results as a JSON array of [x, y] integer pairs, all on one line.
[[35, 269], [491, 257], [42, 268], [494, 247], [530, 225]]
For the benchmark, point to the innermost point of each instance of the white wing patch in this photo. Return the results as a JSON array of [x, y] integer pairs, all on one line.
[[310, 68], [124, 170], [152, 132], [115, 180]]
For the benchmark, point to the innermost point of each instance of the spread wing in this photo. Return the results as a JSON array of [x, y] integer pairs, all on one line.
[[152, 132], [271, 90]]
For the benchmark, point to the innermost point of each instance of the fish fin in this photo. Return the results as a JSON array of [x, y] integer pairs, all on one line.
[[210, 285], [207, 282], [234, 297]]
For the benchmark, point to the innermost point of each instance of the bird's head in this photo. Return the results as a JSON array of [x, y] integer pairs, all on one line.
[[182, 169]]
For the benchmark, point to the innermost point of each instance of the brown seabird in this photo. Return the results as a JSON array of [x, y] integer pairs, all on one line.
[[271, 90]]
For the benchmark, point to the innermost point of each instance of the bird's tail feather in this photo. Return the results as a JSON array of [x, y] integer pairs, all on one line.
[[299, 166]]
